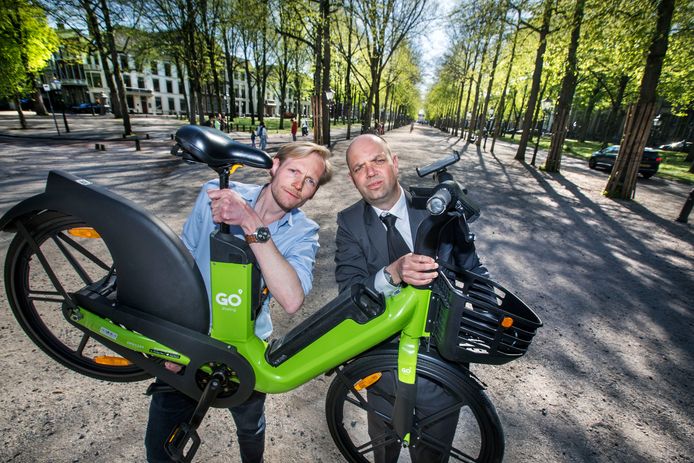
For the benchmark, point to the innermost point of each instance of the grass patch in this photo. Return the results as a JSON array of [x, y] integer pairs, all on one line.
[[673, 166]]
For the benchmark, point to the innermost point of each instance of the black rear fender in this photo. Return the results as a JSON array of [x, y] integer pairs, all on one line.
[[156, 273]]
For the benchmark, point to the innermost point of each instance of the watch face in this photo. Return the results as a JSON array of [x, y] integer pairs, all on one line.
[[262, 234]]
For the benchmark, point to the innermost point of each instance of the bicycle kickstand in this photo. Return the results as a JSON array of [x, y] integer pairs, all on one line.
[[186, 433]]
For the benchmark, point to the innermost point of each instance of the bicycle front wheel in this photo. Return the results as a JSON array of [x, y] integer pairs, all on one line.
[[61, 255], [457, 422]]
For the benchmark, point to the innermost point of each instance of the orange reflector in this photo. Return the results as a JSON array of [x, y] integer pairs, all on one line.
[[84, 232], [506, 322], [368, 381], [113, 361]]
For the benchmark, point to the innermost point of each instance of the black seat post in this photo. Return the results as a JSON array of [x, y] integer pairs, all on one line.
[[224, 184]]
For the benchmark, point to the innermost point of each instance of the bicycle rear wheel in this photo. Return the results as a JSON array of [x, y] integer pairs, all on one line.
[[357, 396], [67, 256]]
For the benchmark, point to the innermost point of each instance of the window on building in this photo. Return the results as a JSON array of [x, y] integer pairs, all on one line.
[[157, 104], [155, 83], [140, 82], [124, 63], [167, 69], [184, 104], [126, 80], [94, 79], [130, 101], [172, 106], [154, 68], [169, 86]]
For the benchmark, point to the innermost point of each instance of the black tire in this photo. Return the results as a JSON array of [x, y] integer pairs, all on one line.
[[592, 164], [478, 436], [37, 302], [648, 175]]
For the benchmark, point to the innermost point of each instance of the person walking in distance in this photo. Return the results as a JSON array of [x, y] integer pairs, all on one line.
[[262, 136], [294, 129]]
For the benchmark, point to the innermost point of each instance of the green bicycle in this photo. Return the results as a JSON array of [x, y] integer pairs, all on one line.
[[109, 291]]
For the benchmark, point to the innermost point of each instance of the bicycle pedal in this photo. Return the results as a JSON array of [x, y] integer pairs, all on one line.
[[183, 443]]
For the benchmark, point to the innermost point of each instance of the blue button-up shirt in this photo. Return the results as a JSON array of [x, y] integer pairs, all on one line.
[[294, 235]]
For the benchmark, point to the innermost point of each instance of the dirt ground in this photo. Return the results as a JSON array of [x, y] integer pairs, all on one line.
[[607, 379]]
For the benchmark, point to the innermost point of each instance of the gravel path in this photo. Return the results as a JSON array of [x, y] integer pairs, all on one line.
[[608, 378]]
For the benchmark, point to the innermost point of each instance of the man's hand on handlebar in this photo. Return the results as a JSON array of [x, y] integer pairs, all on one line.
[[229, 207], [413, 269]]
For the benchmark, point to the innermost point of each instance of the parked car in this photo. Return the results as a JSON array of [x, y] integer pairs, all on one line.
[[681, 145], [87, 108], [606, 157]]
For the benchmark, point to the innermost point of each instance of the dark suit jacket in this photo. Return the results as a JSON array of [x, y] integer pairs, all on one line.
[[362, 249]]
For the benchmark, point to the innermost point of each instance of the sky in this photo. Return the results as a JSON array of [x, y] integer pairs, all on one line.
[[434, 44]]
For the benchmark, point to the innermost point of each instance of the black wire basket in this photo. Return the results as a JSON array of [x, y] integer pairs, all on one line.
[[479, 321]]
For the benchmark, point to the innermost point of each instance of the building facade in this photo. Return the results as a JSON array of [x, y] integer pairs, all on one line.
[[156, 87]]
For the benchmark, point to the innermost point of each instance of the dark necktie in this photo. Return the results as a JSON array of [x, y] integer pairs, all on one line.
[[397, 246]]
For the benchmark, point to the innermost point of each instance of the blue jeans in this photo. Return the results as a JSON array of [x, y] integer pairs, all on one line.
[[170, 408]]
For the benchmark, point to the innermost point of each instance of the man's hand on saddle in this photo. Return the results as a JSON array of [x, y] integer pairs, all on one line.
[[413, 269]]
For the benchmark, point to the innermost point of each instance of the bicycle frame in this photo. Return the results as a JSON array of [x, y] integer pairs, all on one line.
[[404, 313]]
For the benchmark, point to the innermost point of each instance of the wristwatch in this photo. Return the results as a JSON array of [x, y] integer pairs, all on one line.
[[389, 278], [261, 235]]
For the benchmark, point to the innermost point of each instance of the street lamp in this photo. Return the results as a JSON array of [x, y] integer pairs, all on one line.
[[226, 113], [329, 95], [57, 85]]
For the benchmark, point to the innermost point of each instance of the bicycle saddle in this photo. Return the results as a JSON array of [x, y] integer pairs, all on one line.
[[216, 149]]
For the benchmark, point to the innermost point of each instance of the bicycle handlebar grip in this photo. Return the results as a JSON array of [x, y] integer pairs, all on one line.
[[439, 202]]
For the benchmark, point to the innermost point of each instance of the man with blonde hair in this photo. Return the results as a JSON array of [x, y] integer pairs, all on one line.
[[284, 241]]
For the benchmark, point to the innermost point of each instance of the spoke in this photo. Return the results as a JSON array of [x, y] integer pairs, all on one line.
[[83, 344], [82, 250], [71, 259], [45, 299], [369, 446], [45, 296], [44, 262], [453, 452], [434, 417]]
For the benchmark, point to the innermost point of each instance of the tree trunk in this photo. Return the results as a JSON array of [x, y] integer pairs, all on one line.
[[611, 126], [502, 101], [622, 181], [20, 113], [39, 107], [247, 68], [229, 61], [325, 40], [592, 101], [95, 32], [478, 83], [535, 87], [459, 107], [568, 87], [111, 40], [483, 119]]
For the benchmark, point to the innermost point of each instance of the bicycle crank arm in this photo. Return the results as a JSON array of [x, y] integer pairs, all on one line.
[[186, 433]]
